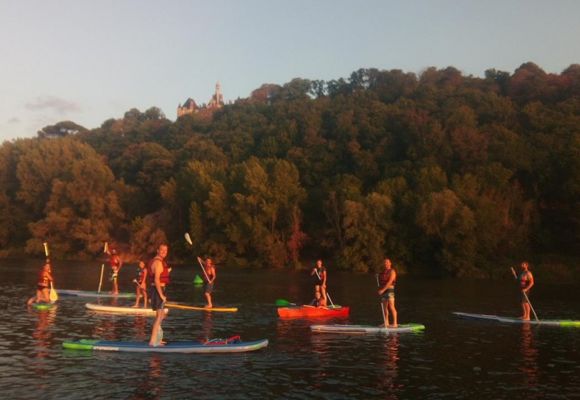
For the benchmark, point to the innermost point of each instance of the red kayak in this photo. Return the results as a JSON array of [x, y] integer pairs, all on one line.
[[313, 312]]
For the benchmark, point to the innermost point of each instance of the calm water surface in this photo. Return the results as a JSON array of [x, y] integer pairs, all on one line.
[[451, 359]]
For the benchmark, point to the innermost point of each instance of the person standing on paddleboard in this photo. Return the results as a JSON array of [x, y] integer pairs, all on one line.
[[141, 282], [209, 278], [158, 273], [116, 263], [319, 275], [526, 280], [387, 280], [43, 285]]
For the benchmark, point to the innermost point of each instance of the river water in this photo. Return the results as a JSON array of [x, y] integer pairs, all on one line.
[[451, 359]]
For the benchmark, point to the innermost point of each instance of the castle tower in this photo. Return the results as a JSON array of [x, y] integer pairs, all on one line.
[[217, 100]]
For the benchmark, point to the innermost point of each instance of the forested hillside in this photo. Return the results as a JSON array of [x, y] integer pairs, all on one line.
[[445, 174]]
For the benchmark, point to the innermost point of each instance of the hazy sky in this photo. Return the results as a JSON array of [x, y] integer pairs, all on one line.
[[91, 60]]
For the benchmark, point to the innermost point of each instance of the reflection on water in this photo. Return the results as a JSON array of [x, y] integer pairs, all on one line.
[[388, 382], [150, 385], [206, 327], [529, 365], [42, 337]]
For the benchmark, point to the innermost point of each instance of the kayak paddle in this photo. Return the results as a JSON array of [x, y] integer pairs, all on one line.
[[284, 303]]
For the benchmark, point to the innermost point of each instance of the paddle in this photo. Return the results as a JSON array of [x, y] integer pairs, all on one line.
[[284, 303], [188, 240], [525, 295], [53, 295], [105, 250], [327, 294], [382, 306]]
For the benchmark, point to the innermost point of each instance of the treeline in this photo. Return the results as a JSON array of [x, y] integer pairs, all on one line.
[[443, 173]]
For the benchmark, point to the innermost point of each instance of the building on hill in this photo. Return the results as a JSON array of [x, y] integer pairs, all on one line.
[[190, 107]]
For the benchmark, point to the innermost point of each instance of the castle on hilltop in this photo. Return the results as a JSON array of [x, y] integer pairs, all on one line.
[[190, 107]]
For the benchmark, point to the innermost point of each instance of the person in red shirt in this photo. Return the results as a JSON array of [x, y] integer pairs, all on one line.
[[116, 263], [43, 285]]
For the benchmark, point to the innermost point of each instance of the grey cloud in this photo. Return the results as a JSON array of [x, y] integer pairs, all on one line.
[[13, 120], [61, 106]]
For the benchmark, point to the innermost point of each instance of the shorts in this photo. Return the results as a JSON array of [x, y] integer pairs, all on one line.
[[41, 288], [208, 288], [156, 302], [113, 277], [388, 294], [524, 300]]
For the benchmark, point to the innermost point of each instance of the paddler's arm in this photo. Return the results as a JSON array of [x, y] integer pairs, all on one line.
[[530, 283], [144, 280]]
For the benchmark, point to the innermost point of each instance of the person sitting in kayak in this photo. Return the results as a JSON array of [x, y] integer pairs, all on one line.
[[387, 280], [319, 275], [158, 276], [141, 282], [317, 301], [116, 263], [43, 285], [526, 280], [209, 279]]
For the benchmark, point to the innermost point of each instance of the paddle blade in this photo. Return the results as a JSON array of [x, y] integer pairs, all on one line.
[[188, 238], [53, 296], [283, 303]]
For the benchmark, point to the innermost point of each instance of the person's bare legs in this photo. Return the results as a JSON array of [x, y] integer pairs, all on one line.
[[525, 311], [393, 310], [160, 315]]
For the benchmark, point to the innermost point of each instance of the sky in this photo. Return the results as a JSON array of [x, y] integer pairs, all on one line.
[[88, 61]]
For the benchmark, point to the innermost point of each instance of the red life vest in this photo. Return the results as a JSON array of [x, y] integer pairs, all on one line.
[[385, 276], [43, 279], [115, 261], [164, 277]]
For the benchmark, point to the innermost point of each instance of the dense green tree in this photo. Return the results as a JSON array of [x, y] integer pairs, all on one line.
[[442, 172]]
